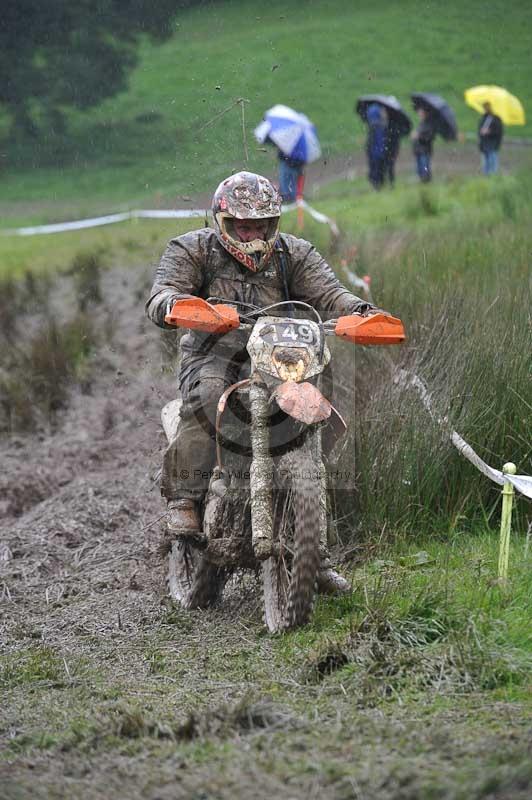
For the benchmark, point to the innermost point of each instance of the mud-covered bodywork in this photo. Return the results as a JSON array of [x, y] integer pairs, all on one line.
[[288, 349], [266, 502]]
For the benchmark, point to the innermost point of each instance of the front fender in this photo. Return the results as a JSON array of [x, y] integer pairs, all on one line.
[[302, 401]]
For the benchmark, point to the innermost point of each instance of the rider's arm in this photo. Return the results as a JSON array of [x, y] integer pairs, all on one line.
[[312, 280], [179, 274]]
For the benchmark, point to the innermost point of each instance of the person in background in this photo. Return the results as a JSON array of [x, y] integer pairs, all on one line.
[[291, 174], [391, 151], [377, 120], [423, 138], [490, 133]]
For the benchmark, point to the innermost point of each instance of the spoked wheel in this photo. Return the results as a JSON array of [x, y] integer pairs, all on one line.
[[289, 576], [192, 581]]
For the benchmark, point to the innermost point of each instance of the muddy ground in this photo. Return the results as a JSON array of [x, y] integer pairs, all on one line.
[[109, 691], [450, 159]]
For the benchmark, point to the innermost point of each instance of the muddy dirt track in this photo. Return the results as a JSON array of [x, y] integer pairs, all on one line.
[[109, 692], [450, 159]]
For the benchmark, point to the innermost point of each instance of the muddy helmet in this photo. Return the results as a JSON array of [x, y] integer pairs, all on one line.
[[247, 196]]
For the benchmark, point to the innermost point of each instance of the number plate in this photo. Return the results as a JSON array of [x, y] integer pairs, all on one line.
[[289, 333]]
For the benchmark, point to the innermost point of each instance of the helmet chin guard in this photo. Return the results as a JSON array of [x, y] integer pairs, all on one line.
[[246, 195]]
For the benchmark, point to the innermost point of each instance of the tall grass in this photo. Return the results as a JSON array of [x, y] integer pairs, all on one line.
[[462, 289]]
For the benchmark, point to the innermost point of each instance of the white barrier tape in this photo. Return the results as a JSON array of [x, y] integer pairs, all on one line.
[[178, 213], [508, 140], [109, 219], [319, 217], [354, 280], [69, 226], [523, 483]]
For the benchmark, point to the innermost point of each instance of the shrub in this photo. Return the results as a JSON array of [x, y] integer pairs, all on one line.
[[86, 268], [18, 298], [36, 376]]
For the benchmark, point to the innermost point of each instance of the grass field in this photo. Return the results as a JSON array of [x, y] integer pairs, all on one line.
[[416, 686], [149, 145], [453, 261]]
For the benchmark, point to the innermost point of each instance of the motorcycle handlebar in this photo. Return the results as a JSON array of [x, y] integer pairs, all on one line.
[[220, 318]]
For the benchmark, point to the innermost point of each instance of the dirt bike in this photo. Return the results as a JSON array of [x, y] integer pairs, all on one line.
[[266, 504]]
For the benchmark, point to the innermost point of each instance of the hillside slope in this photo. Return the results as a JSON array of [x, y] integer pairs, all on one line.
[[169, 136]]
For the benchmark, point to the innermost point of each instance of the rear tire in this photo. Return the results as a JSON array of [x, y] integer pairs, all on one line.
[[289, 577]]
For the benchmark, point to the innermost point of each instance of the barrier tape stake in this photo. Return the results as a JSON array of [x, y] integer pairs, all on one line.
[[506, 522], [299, 201]]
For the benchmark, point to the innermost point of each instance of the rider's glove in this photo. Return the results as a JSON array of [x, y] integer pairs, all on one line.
[[368, 310], [166, 307]]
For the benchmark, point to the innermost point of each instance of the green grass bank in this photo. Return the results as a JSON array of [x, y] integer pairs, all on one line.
[[155, 142]]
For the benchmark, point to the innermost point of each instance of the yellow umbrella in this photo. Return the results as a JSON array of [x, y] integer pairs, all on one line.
[[504, 104]]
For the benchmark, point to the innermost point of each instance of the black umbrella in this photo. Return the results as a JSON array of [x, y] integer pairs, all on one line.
[[399, 119], [442, 114]]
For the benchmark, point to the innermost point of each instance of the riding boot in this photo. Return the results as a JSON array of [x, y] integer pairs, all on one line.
[[182, 518], [330, 581]]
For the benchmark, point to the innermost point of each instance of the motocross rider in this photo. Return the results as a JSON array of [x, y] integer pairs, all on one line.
[[242, 258]]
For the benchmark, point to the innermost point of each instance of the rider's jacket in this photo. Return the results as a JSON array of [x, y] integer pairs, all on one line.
[[197, 264]]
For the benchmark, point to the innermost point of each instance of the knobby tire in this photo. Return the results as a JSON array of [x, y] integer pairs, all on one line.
[[193, 582], [289, 576]]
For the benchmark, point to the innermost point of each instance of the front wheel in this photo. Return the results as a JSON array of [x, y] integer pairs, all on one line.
[[193, 582], [289, 576]]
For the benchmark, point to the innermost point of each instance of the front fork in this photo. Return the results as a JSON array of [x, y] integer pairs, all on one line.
[[261, 474], [315, 444]]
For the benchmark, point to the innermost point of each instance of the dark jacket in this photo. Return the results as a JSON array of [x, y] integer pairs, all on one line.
[[376, 141], [493, 138], [425, 136], [392, 142], [197, 264], [293, 163]]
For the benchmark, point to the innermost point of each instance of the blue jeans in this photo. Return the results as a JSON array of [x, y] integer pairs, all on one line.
[[490, 162], [423, 167], [288, 181]]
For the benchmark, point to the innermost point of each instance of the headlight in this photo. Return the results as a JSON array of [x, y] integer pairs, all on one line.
[[290, 363]]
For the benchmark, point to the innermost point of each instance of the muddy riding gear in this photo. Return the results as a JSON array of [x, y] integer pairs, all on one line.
[[331, 582], [196, 263], [247, 196], [201, 263]]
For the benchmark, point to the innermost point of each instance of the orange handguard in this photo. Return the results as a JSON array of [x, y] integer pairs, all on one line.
[[197, 314], [376, 328]]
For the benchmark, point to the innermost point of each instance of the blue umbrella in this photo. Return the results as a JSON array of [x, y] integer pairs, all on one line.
[[293, 133]]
